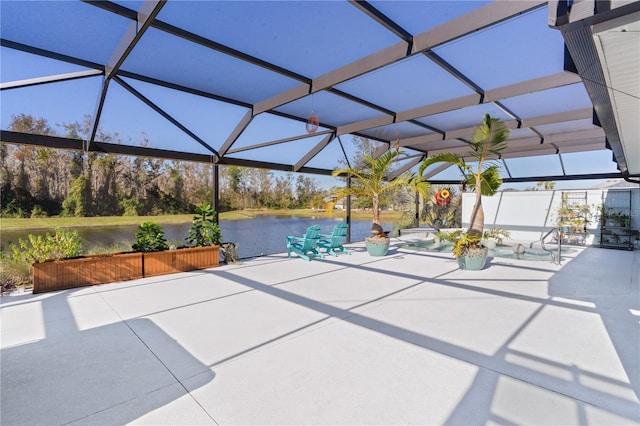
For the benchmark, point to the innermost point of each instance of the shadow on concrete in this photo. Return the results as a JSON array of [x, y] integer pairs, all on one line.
[[511, 367], [99, 375]]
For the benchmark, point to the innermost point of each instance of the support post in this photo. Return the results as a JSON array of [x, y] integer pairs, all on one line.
[[215, 202], [349, 210]]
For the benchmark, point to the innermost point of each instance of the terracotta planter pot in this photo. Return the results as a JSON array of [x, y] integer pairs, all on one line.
[[180, 260], [84, 271]]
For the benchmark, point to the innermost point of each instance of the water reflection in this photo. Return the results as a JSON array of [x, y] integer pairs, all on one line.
[[261, 235]]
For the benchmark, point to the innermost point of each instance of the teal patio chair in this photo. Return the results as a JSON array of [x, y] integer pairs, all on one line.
[[332, 242], [304, 246]]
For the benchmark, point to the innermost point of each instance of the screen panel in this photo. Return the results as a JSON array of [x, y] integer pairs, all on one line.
[[577, 163], [543, 165], [137, 124], [199, 67], [71, 28], [44, 101], [211, 120], [419, 16], [308, 37], [468, 117], [398, 89], [330, 108], [520, 49]]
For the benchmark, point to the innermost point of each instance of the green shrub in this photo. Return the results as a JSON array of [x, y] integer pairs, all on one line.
[[130, 207], [14, 272], [117, 247], [150, 237], [38, 248], [204, 230], [16, 262], [37, 211]]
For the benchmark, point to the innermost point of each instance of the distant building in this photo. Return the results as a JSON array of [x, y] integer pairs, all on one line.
[[616, 184]]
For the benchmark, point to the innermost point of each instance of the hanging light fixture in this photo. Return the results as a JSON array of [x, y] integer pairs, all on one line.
[[312, 122], [397, 142]]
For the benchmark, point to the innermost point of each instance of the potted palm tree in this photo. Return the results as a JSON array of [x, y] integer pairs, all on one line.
[[370, 181], [488, 140]]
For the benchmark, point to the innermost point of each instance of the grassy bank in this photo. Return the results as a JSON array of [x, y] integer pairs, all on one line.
[[54, 222]]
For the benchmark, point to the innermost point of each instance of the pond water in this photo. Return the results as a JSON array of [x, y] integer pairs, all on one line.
[[261, 235]]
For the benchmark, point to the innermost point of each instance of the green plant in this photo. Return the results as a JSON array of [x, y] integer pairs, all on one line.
[[498, 234], [38, 248], [620, 218], [116, 247], [16, 262], [204, 230], [463, 241], [450, 236], [371, 181], [150, 237], [566, 212], [577, 217], [488, 140], [37, 211], [14, 272]]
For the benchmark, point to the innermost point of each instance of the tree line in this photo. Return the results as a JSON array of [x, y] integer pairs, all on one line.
[[40, 181]]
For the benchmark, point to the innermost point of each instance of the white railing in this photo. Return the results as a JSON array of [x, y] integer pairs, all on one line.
[[555, 258]]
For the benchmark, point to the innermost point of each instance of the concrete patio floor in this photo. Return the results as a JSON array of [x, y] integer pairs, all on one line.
[[403, 339]]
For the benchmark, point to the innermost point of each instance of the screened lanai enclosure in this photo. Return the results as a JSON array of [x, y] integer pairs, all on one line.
[[286, 85]]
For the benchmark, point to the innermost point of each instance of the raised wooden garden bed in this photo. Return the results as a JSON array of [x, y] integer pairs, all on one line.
[[181, 260], [84, 271], [87, 270]]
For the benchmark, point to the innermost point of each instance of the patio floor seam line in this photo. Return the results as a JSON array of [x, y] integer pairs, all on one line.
[[117, 405], [126, 322]]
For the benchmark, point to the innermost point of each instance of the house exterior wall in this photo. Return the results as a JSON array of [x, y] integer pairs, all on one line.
[[529, 215]]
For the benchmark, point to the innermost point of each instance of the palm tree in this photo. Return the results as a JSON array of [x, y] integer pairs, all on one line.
[[371, 181], [546, 184], [488, 140]]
